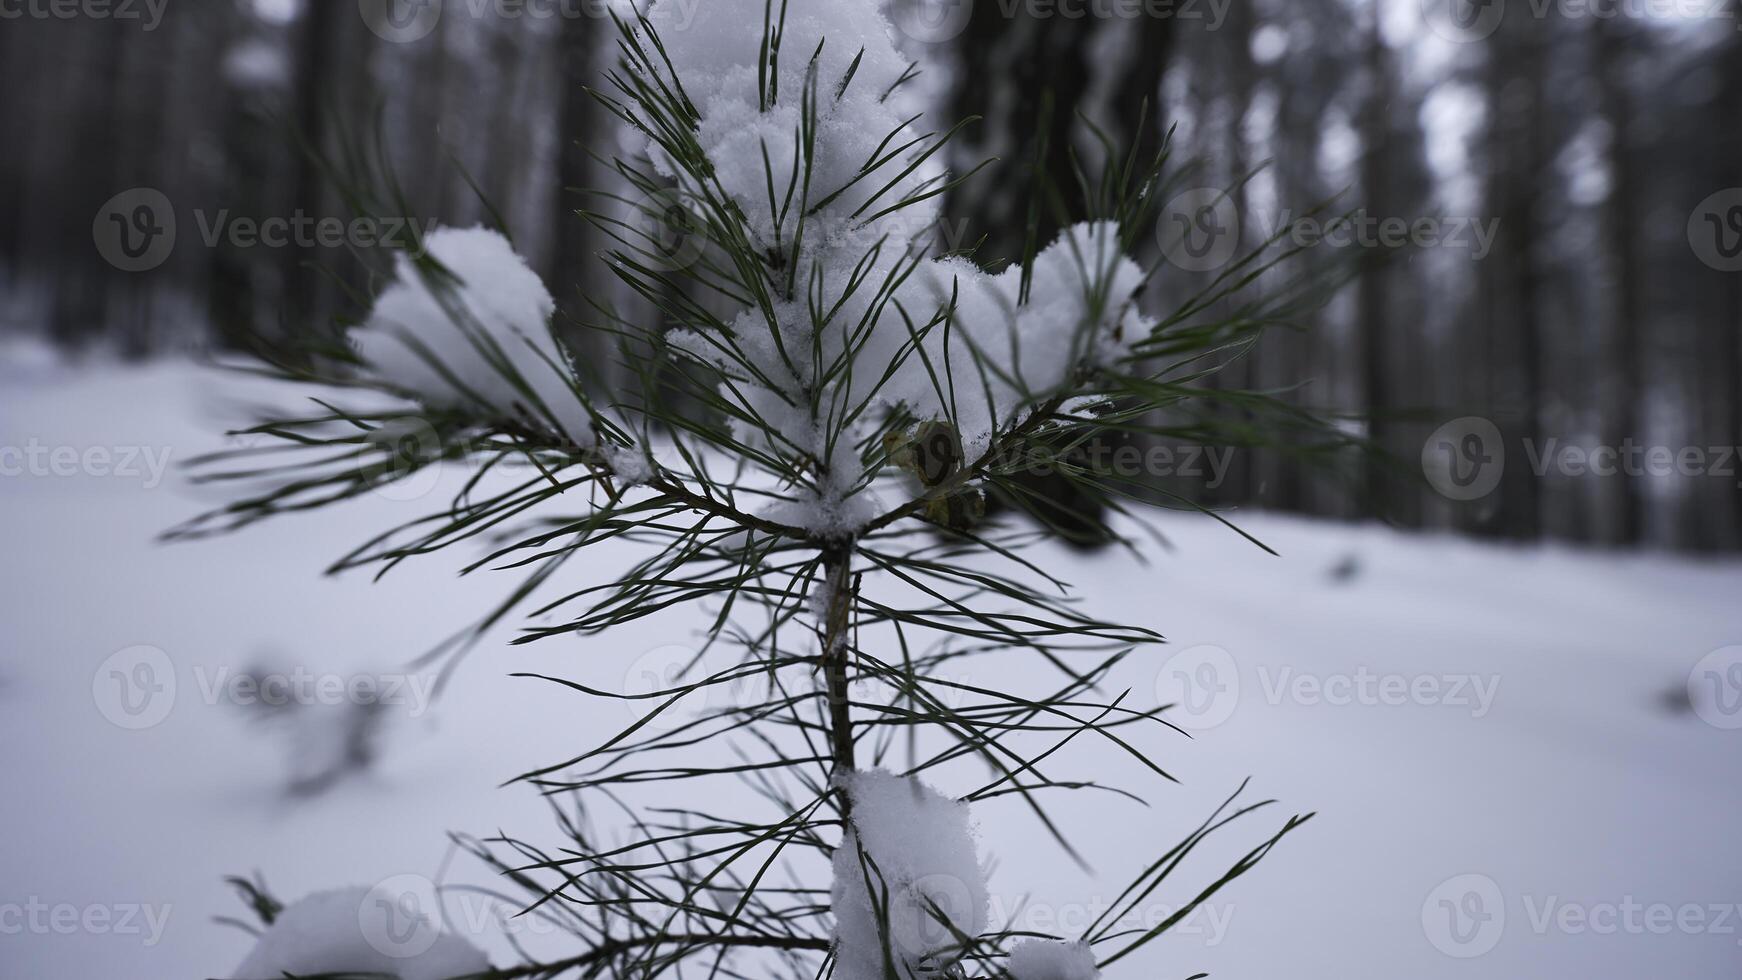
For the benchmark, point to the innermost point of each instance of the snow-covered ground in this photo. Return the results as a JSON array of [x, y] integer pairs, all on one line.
[[1509, 778]]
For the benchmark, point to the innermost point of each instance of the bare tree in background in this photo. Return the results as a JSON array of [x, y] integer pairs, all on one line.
[[1106, 70], [1629, 355]]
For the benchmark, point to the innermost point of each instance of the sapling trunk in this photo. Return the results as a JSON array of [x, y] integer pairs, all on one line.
[[837, 578]]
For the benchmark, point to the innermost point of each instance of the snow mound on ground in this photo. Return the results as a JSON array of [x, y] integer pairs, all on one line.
[[925, 881], [1043, 959], [330, 933], [481, 343]]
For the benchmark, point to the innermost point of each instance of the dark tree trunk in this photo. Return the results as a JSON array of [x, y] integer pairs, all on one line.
[[80, 281], [1235, 46], [1732, 327], [1374, 318], [329, 75], [1009, 66], [580, 118], [1513, 286], [1624, 411]]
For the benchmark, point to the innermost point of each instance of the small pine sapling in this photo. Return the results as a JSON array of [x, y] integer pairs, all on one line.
[[812, 479]]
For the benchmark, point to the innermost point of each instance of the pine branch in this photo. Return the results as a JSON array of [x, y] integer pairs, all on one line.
[[614, 947], [836, 650]]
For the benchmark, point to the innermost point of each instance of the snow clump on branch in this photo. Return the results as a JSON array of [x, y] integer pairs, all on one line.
[[855, 314], [909, 887], [474, 334]]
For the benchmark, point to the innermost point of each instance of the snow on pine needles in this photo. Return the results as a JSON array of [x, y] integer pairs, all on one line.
[[472, 332], [823, 163], [909, 890]]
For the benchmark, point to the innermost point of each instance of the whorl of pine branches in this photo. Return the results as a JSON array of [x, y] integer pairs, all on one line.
[[846, 637]]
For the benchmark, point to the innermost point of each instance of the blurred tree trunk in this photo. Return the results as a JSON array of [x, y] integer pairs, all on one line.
[[1007, 65], [503, 120], [246, 176], [1730, 329], [1373, 324], [1305, 83], [1517, 166], [17, 67], [331, 73], [1107, 69], [1624, 413], [1234, 44], [1394, 319], [582, 123], [84, 179]]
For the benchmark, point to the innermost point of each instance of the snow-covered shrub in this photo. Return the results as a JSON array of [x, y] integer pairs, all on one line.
[[338, 933], [844, 396]]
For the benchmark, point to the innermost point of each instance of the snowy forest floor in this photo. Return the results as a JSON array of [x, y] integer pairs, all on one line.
[[1544, 744]]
